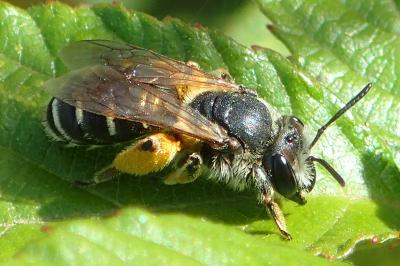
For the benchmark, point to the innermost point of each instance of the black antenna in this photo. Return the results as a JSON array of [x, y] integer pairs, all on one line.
[[330, 169], [352, 102]]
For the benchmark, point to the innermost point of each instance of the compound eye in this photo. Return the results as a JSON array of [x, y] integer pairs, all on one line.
[[283, 176]]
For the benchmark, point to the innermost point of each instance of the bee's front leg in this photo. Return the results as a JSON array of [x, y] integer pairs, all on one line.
[[188, 169], [267, 196], [276, 213]]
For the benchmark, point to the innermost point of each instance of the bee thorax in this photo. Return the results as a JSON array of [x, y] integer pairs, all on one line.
[[244, 117]]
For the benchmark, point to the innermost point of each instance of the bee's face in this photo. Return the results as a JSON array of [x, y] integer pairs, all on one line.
[[286, 161]]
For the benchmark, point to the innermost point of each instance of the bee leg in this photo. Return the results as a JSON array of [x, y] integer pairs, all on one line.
[[193, 64], [101, 176], [245, 90], [189, 169], [223, 74], [148, 155], [276, 213], [83, 183], [267, 193], [219, 72]]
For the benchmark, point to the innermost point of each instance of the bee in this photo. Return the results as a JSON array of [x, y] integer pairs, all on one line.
[[175, 112]]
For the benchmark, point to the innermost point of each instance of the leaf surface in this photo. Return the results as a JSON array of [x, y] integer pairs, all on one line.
[[45, 220], [342, 46]]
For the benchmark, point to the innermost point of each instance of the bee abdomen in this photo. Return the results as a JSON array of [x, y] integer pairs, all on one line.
[[72, 124]]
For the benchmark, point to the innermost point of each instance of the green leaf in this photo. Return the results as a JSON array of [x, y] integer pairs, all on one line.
[[342, 46], [44, 220], [135, 236]]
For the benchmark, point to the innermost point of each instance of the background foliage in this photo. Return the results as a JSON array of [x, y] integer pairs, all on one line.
[[335, 49]]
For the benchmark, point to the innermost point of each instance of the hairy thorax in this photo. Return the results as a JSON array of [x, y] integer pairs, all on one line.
[[234, 170]]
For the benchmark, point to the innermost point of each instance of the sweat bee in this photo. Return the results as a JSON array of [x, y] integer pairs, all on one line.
[[174, 111]]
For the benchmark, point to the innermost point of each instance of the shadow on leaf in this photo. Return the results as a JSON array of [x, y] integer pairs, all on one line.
[[382, 178]]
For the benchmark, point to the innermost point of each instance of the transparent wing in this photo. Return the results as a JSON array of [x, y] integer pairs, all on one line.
[[144, 66], [103, 90]]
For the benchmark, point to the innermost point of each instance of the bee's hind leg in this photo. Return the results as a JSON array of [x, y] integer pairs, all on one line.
[[101, 176], [188, 168], [148, 155]]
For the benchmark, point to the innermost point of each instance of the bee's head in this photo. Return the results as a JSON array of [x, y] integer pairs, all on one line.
[[289, 163]]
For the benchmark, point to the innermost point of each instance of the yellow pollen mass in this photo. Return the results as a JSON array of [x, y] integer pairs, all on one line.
[[150, 154]]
